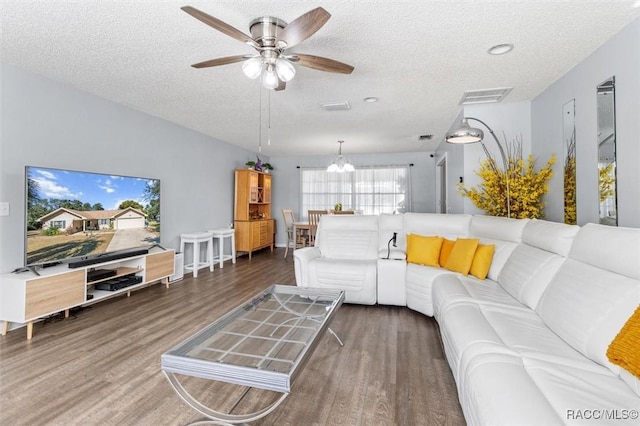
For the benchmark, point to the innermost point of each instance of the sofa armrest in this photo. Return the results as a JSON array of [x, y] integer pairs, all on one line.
[[301, 259]]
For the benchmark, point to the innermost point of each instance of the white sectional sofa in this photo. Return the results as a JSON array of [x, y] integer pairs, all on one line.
[[528, 344]]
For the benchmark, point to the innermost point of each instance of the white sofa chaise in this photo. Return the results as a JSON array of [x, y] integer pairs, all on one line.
[[528, 344]]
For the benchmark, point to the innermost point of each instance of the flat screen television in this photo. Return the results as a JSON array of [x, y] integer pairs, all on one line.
[[74, 215]]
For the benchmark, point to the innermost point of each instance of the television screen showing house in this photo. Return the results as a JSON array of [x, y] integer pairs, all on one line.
[[72, 214]]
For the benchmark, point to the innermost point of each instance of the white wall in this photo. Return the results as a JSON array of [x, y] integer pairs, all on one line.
[[286, 180], [619, 57], [49, 124]]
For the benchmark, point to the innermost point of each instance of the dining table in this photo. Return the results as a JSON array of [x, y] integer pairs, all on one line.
[[300, 229]]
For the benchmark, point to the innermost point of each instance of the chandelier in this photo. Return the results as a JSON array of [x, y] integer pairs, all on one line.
[[340, 164]]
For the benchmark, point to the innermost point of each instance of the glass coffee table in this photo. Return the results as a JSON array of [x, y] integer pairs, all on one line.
[[263, 343]]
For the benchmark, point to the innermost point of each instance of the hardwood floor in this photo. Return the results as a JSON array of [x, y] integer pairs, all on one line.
[[103, 366]]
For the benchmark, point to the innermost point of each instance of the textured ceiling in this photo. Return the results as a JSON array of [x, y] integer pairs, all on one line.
[[417, 57]]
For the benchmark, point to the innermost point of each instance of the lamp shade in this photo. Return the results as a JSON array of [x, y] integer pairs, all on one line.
[[252, 67], [465, 134], [269, 77], [285, 70], [332, 168]]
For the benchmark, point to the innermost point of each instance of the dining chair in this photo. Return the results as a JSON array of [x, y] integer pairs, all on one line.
[[293, 241], [314, 219]]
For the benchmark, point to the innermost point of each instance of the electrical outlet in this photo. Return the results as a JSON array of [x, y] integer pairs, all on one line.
[[4, 208]]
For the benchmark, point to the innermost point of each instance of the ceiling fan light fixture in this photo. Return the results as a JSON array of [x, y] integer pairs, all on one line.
[[269, 77], [252, 67], [271, 36], [285, 70]]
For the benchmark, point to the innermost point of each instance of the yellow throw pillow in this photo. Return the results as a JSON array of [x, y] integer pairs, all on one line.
[[423, 250], [624, 350], [482, 261], [461, 255], [445, 251]]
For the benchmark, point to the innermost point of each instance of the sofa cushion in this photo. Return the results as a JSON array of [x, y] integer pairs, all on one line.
[[419, 282], [509, 328], [570, 389], [587, 306], [356, 277], [501, 254], [449, 226], [482, 260], [632, 381], [528, 272], [503, 389], [352, 237], [550, 236], [424, 250], [497, 228], [625, 352], [615, 249], [461, 256], [502, 232], [500, 392], [445, 251], [595, 291], [452, 289]]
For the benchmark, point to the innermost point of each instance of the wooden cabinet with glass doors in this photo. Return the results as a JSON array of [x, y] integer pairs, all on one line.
[[252, 215]]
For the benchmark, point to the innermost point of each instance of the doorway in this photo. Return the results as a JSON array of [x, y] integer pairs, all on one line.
[[441, 184]]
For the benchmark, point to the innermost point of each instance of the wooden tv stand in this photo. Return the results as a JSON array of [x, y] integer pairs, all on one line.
[[26, 297]]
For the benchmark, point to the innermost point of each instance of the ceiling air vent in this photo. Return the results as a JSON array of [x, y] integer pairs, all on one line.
[[336, 106], [425, 137], [484, 96]]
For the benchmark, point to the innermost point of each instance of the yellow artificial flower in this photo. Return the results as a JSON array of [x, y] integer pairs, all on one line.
[[526, 186]]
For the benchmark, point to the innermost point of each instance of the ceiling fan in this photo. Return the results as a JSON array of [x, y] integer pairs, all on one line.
[[271, 37]]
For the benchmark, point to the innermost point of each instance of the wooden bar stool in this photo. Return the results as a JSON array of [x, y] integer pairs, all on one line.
[[220, 234], [196, 239]]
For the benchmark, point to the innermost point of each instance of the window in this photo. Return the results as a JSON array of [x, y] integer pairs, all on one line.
[[60, 224], [368, 190], [103, 222]]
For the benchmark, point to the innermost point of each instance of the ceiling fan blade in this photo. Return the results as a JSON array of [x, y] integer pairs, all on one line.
[[281, 85], [221, 61], [217, 24], [322, 64], [302, 28]]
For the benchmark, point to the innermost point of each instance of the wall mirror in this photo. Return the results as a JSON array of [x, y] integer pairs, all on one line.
[[569, 134], [607, 152]]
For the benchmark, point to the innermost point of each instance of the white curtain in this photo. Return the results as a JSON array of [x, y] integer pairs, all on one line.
[[368, 190]]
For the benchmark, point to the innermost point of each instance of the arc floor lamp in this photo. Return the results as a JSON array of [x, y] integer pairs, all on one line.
[[467, 134]]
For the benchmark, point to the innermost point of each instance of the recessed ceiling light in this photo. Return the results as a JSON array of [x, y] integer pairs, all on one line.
[[637, 4], [500, 49], [370, 99]]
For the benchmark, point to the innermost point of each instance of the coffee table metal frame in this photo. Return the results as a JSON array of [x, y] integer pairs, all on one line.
[[263, 343]]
